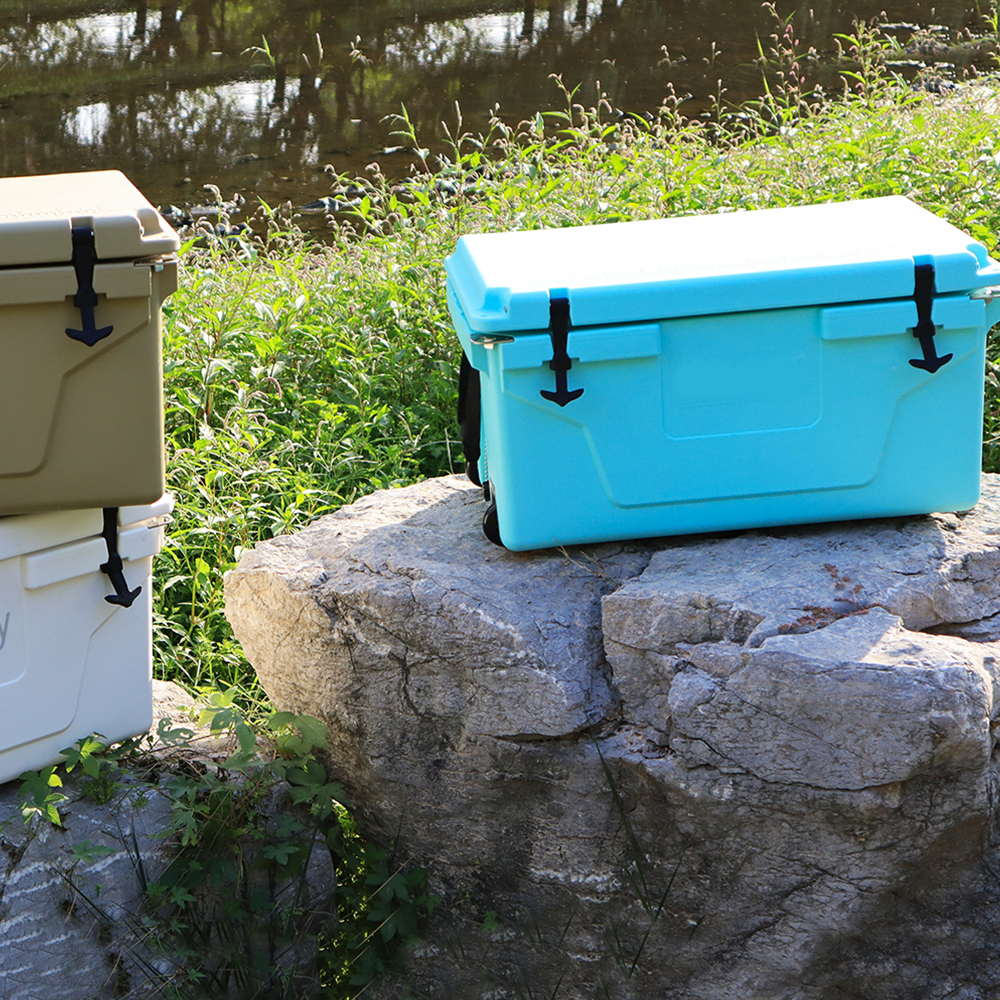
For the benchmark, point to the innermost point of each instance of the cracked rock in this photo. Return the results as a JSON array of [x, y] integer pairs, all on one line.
[[713, 768], [858, 704], [398, 604]]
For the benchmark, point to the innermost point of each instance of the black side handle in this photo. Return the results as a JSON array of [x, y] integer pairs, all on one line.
[[469, 417]]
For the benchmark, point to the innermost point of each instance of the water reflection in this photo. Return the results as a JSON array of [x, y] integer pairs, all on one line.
[[176, 95]]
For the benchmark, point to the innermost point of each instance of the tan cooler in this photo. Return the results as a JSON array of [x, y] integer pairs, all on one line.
[[85, 264]]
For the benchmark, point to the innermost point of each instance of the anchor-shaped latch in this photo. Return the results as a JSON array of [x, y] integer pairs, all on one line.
[[84, 255], [112, 569], [560, 363], [924, 330]]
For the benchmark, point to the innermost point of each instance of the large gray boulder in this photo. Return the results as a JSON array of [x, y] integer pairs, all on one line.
[[692, 769]]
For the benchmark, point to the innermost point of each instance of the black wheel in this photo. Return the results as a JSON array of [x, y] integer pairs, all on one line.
[[491, 524], [472, 471]]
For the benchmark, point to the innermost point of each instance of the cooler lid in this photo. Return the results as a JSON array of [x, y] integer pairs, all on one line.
[[37, 215], [699, 265]]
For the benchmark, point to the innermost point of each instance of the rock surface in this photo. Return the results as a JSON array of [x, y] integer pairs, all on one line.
[[73, 925], [689, 769]]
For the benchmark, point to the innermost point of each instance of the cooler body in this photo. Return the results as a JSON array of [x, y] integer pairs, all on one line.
[[743, 370], [85, 264], [71, 663]]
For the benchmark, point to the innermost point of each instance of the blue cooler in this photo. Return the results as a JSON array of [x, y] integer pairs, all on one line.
[[727, 371]]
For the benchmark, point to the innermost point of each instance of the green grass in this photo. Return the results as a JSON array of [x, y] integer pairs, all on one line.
[[300, 377], [297, 379]]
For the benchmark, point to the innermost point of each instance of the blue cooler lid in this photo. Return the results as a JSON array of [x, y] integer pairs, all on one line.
[[625, 272]]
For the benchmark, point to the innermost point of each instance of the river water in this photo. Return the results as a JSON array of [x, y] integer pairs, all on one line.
[[258, 97]]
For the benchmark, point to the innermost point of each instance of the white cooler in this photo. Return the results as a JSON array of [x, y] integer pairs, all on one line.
[[75, 635]]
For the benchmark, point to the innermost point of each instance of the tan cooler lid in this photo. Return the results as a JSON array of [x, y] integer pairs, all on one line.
[[37, 215]]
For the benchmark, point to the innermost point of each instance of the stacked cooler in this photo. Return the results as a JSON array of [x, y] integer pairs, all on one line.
[[85, 264]]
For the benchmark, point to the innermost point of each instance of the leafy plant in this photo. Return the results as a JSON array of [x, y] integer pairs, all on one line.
[[237, 833], [39, 800], [385, 904]]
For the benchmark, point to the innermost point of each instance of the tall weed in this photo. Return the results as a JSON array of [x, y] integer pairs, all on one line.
[[297, 380]]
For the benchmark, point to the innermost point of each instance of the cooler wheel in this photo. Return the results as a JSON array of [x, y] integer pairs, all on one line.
[[491, 524]]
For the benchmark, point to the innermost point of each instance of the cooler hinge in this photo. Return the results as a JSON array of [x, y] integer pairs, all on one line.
[[157, 262], [560, 363], [112, 569], [923, 293], [84, 255]]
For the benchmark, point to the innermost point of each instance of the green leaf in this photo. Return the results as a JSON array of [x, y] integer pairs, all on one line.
[[170, 735], [83, 753], [39, 801], [314, 733], [246, 736], [279, 720], [281, 852], [88, 852]]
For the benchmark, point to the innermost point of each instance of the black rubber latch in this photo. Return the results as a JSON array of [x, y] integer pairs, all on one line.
[[84, 255], [923, 292], [560, 363], [112, 569]]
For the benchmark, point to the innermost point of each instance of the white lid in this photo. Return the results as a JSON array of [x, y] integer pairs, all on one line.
[[699, 265], [37, 215], [24, 533], [146, 511]]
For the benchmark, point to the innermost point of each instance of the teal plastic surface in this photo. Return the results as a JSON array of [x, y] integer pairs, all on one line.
[[768, 385]]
